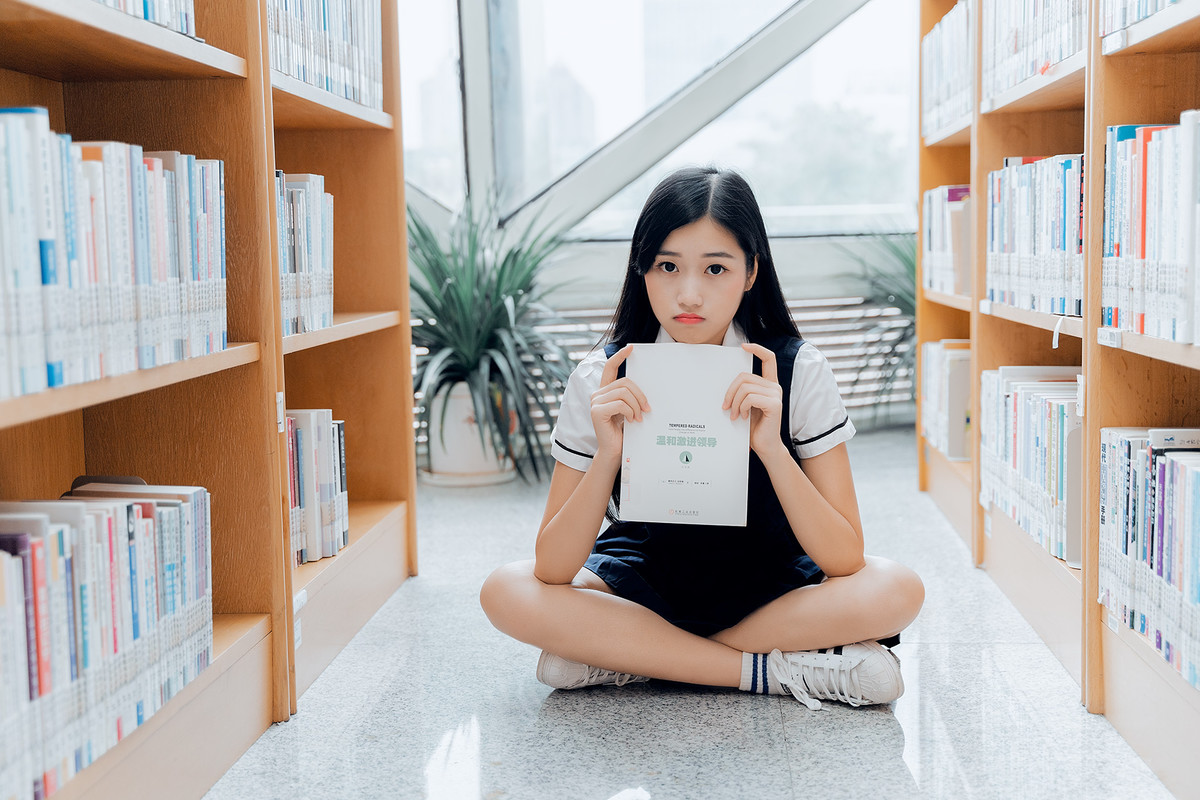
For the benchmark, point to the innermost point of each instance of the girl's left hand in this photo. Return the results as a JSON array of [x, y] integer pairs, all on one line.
[[761, 399]]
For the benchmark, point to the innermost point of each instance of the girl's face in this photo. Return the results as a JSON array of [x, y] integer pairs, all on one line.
[[697, 281]]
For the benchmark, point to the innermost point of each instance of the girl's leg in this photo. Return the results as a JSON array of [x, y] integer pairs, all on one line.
[[585, 622], [878, 601]]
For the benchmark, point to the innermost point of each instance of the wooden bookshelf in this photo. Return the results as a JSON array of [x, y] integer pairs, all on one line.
[[959, 301], [955, 134], [213, 421], [1148, 73]]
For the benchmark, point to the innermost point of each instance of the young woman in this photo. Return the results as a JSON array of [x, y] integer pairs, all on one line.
[[789, 603]]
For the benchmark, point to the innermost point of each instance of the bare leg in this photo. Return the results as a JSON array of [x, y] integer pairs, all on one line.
[[879, 600], [585, 622]]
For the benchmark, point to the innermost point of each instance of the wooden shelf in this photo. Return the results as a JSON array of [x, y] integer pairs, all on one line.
[[1047, 592], [961, 302], [1153, 708], [341, 593], [1061, 87], [27, 408], [956, 134], [83, 40], [345, 326], [1071, 326], [299, 105], [223, 711], [949, 485], [1184, 355], [1174, 29]]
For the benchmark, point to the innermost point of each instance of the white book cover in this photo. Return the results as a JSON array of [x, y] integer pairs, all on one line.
[[686, 462]]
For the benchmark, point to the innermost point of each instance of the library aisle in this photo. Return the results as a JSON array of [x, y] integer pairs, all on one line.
[[428, 700]]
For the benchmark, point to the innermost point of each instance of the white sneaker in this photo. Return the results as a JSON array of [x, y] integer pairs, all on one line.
[[860, 674], [559, 673]]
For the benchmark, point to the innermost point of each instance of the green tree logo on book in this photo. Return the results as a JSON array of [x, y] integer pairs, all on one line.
[[685, 457]]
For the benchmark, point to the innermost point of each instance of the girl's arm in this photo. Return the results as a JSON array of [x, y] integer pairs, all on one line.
[[819, 499], [577, 500]]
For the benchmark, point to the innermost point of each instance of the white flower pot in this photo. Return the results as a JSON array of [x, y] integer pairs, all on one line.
[[457, 457]]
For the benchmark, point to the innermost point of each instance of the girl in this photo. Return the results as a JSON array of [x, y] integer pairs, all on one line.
[[789, 603]]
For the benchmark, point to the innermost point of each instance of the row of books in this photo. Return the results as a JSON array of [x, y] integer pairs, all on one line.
[[1149, 568], [946, 397], [105, 615], [1031, 453], [112, 258], [1118, 14], [946, 75], [304, 221], [319, 513], [178, 15], [946, 240], [1148, 282], [335, 45], [1035, 234], [1024, 38]]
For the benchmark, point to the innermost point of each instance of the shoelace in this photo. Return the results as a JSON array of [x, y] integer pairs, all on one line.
[[597, 675], [838, 682]]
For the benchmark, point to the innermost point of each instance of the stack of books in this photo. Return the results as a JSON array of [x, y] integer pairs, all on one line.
[[112, 258], [1149, 575], [1022, 39], [1031, 453], [305, 223], [178, 15], [105, 615], [946, 397], [946, 240], [1148, 281], [946, 76], [319, 513], [335, 45], [1035, 234]]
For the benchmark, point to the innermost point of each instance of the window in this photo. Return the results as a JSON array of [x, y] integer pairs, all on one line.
[[431, 99]]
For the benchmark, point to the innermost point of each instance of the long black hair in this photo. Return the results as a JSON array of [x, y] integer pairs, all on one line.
[[680, 199]]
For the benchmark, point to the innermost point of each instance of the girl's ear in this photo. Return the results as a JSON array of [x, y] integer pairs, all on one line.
[[751, 275]]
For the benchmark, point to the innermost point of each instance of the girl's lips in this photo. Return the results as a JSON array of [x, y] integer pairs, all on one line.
[[689, 319]]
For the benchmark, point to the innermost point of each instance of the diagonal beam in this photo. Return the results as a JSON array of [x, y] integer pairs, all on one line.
[[604, 173]]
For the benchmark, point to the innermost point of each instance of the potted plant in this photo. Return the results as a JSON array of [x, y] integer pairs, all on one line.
[[488, 366]]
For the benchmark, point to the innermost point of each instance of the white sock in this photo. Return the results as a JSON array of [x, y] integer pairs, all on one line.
[[756, 676]]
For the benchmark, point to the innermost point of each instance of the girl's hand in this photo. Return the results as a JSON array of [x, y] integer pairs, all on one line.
[[617, 400], [761, 399]]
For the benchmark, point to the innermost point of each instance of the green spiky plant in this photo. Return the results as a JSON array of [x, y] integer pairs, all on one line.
[[479, 298], [889, 264]]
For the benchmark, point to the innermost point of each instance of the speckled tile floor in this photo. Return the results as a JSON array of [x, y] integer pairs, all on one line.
[[429, 701]]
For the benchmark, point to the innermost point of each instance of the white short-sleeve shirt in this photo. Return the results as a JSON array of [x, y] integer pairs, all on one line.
[[819, 420]]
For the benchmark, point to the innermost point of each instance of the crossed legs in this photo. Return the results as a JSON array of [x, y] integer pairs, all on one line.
[[583, 621]]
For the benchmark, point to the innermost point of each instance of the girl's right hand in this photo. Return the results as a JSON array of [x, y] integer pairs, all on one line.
[[617, 400]]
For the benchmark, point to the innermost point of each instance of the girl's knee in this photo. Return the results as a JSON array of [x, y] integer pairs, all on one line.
[[901, 587], [501, 593]]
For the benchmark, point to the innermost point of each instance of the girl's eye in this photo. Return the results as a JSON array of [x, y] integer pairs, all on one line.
[[666, 266], [715, 269]]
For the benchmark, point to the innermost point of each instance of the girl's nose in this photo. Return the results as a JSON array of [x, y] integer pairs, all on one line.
[[689, 293]]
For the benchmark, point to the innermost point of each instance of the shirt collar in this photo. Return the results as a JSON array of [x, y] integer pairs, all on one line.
[[733, 336]]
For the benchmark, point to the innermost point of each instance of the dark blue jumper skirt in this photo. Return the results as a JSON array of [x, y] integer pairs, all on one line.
[[706, 578]]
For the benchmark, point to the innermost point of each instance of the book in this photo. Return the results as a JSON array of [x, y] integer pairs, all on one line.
[[686, 462]]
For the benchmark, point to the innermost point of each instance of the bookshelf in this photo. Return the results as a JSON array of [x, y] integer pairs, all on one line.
[[1147, 73], [213, 421]]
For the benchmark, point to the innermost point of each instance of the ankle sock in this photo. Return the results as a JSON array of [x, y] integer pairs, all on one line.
[[756, 678]]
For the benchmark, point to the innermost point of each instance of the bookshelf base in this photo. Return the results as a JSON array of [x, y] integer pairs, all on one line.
[[1046, 592], [193, 740], [343, 592], [1161, 718], [949, 485]]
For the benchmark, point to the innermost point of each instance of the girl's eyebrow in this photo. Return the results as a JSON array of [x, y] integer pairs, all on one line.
[[718, 254]]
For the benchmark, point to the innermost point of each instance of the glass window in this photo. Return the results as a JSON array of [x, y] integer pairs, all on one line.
[[569, 77], [431, 100], [828, 143]]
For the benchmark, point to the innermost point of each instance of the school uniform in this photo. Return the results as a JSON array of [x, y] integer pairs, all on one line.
[[706, 578]]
